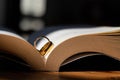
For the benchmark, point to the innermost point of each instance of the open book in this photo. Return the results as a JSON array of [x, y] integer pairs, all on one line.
[[63, 46]]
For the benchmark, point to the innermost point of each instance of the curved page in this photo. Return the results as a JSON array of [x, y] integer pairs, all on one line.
[[15, 45], [68, 42], [59, 36]]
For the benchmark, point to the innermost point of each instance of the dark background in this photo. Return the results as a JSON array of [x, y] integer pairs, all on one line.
[[65, 12]]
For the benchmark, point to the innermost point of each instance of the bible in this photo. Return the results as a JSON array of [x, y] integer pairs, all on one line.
[[61, 47]]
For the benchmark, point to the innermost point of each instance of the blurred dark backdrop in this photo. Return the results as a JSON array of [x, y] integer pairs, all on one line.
[[64, 12]]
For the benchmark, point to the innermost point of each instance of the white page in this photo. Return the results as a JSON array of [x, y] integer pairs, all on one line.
[[59, 36], [11, 34]]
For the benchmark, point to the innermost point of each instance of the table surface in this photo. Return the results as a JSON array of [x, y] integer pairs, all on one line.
[[94, 75]]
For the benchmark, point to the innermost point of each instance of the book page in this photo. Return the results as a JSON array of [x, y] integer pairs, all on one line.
[[78, 56], [10, 34], [17, 46], [57, 37]]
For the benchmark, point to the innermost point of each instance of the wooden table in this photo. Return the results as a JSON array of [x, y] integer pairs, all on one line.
[[86, 75]]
